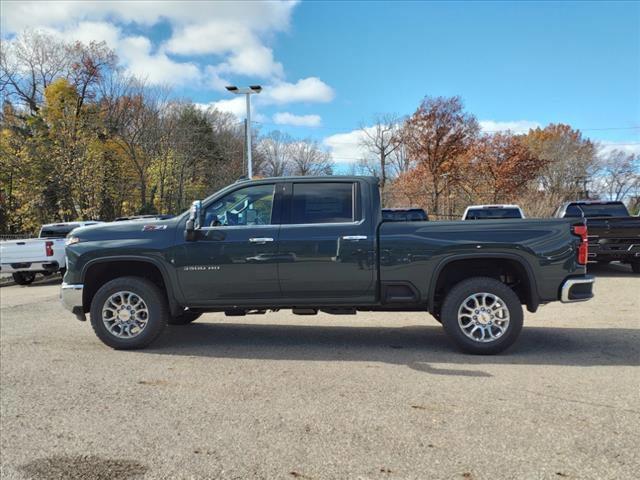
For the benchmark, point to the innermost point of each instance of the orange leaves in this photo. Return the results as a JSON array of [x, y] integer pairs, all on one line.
[[504, 164]]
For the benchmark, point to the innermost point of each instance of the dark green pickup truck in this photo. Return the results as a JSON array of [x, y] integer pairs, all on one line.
[[319, 244]]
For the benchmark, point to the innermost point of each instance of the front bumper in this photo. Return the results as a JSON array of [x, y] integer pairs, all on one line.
[[71, 298], [577, 289]]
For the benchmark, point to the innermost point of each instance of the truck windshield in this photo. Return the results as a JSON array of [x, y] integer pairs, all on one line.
[[489, 213], [604, 210]]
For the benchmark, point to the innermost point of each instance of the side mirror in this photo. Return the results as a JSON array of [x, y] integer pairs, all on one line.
[[195, 220]]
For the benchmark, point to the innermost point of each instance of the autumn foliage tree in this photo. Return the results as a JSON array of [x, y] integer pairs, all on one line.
[[498, 166], [438, 134]]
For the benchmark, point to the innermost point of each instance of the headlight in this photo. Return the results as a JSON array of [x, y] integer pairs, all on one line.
[[71, 240]]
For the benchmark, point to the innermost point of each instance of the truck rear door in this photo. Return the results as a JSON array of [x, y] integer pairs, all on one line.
[[327, 242]]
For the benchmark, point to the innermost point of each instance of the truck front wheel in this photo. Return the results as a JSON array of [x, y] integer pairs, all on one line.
[[129, 313], [482, 315]]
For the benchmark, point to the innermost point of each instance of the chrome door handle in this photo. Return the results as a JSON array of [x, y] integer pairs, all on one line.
[[355, 237], [260, 239]]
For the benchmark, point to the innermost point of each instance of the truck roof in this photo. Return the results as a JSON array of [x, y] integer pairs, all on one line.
[[492, 206], [594, 202], [366, 178]]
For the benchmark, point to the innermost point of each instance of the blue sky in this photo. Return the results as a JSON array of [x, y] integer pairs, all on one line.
[[329, 67]]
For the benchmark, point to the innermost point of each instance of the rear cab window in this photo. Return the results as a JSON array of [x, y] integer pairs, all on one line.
[[57, 231], [603, 210], [491, 213]]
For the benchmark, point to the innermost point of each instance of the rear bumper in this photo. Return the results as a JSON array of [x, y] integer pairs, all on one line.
[[577, 289], [29, 267], [71, 299], [624, 250]]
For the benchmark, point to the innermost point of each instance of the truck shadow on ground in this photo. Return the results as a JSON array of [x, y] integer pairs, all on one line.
[[419, 347], [611, 270]]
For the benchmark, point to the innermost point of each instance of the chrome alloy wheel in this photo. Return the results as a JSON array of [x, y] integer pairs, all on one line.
[[125, 315], [483, 317]]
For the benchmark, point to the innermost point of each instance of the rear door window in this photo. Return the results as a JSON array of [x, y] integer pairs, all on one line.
[[322, 203]]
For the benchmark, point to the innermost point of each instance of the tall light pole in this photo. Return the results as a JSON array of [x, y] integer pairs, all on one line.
[[248, 91]]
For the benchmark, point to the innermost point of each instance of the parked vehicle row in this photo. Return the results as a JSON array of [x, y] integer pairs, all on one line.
[[45, 254], [313, 244], [614, 235]]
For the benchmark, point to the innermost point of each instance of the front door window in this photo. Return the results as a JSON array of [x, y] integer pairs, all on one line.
[[248, 206]]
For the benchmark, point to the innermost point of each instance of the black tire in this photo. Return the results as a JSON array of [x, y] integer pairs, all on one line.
[[635, 267], [184, 318], [157, 308], [24, 278], [457, 296]]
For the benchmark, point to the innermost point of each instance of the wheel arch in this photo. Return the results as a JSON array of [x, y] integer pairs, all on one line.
[[531, 297], [98, 271]]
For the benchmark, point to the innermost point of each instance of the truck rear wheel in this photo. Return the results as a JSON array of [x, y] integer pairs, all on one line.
[[635, 267], [24, 278], [184, 318], [482, 315], [129, 313]]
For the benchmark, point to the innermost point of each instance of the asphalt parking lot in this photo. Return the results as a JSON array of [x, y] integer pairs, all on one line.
[[380, 396]]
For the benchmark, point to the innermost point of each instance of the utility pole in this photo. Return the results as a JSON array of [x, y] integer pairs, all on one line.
[[248, 91]]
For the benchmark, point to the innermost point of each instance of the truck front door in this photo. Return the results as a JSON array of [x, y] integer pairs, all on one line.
[[327, 244], [234, 259]]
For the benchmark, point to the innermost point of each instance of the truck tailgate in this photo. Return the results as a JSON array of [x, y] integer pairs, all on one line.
[[614, 236], [18, 251]]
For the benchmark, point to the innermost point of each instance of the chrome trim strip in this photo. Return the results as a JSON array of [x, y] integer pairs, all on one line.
[[569, 284], [71, 295], [354, 237]]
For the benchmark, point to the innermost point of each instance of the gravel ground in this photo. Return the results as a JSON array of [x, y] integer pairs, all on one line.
[[278, 396]]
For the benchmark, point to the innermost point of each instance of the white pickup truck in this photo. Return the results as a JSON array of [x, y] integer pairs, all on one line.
[[45, 254]]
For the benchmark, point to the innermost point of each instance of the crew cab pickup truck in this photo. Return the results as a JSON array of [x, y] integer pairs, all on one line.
[[614, 235], [319, 244], [45, 254]]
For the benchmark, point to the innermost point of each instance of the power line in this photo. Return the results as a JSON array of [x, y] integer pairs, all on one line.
[[352, 129]]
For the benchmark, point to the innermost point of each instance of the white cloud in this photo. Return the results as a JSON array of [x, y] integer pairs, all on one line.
[[257, 15], [628, 147], [286, 118], [515, 126], [347, 147], [310, 89], [237, 35], [245, 54], [156, 68], [236, 105]]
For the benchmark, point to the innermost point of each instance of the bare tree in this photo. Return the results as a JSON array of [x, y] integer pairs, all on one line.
[[29, 64], [399, 161], [276, 149], [381, 140], [619, 175], [308, 159]]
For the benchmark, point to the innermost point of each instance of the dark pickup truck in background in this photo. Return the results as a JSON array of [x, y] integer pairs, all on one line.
[[614, 235], [320, 244]]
